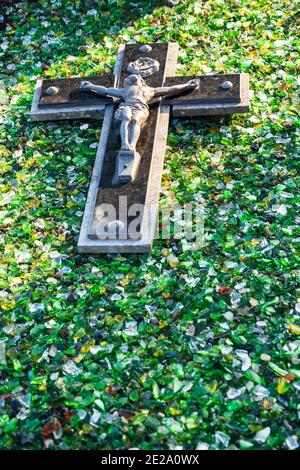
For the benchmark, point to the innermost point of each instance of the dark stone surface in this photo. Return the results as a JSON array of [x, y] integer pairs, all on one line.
[[69, 93], [210, 90], [136, 190], [158, 52]]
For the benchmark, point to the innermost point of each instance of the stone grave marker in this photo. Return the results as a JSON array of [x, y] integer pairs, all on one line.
[[135, 104]]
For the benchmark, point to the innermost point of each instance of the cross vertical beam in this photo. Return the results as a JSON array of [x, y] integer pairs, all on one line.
[[146, 187]]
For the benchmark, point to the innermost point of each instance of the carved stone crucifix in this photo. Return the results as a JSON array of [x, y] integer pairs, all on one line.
[[130, 154]]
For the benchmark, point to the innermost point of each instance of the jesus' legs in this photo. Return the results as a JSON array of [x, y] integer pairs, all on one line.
[[124, 129], [136, 123]]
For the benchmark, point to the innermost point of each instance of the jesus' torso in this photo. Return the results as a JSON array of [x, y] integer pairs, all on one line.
[[137, 94]]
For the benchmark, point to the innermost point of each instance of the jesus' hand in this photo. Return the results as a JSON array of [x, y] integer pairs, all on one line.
[[194, 83], [85, 85]]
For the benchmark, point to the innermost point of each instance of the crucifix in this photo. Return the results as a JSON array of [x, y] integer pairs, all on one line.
[[133, 113], [135, 103]]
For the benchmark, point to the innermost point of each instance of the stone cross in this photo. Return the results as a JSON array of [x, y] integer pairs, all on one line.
[[129, 160]]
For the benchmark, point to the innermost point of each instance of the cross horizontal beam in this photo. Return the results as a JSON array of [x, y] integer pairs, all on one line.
[[210, 99]]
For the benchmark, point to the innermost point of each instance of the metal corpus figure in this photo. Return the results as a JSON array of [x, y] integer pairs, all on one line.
[[133, 111]]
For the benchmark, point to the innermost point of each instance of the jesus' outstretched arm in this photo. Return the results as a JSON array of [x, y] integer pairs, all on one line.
[[191, 85], [100, 90]]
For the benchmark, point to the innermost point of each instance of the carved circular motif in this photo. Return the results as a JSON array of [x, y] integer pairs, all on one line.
[[144, 66], [51, 90], [227, 85], [145, 48]]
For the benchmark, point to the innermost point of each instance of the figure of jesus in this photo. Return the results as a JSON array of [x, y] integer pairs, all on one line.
[[133, 111]]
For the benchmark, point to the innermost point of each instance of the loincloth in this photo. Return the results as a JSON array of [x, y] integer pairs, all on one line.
[[135, 106]]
